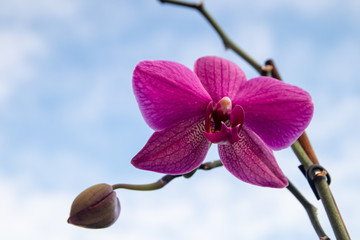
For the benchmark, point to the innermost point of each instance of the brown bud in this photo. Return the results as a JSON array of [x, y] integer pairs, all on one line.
[[95, 207]]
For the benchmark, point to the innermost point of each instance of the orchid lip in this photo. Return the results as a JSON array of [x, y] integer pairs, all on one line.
[[223, 123], [227, 135]]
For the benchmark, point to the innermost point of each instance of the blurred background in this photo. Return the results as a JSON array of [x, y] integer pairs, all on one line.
[[69, 119]]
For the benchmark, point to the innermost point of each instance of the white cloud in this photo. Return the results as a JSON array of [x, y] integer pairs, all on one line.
[[256, 38], [25, 10], [210, 206], [18, 51], [309, 7], [20, 45], [93, 104], [332, 117], [340, 63], [306, 8]]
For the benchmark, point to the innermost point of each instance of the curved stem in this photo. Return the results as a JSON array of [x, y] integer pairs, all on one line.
[[165, 179], [228, 43], [211, 165], [310, 209], [147, 187]]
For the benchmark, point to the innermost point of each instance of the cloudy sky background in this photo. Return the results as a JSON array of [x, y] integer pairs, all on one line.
[[69, 120]]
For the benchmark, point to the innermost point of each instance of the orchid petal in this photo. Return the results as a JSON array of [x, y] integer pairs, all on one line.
[[168, 92], [220, 77], [276, 111], [175, 150], [250, 160]]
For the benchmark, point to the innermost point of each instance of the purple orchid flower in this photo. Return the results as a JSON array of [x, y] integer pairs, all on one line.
[[216, 104]]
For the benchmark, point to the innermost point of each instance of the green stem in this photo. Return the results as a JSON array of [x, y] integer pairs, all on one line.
[[301, 155], [228, 43], [165, 179], [336, 222], [147, 187], [310, 209], [326, 197], [211, 165]]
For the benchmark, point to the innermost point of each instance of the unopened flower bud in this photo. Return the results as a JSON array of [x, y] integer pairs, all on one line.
[[95, 207]]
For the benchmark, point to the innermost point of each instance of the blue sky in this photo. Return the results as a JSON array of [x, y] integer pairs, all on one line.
[[69, 120]]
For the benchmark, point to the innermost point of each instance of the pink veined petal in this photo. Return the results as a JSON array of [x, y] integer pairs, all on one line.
[[175, 150], [276, 111], [220, 77], [252, 161], [168, 92]]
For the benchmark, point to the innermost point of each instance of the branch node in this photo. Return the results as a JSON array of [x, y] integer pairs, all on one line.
[[313, 173], [200, 4], [325, 238]]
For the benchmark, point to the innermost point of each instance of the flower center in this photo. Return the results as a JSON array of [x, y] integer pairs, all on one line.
[[223, 122]]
